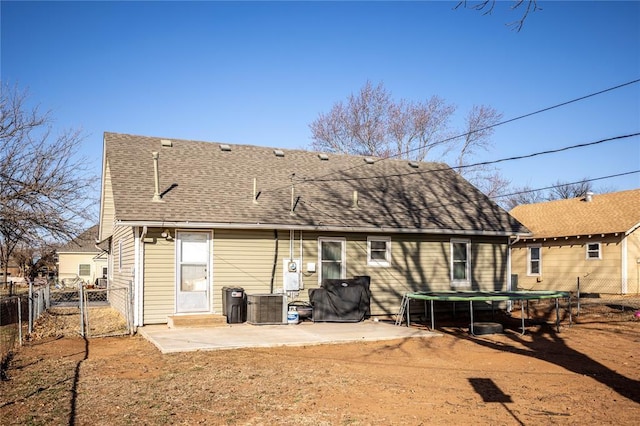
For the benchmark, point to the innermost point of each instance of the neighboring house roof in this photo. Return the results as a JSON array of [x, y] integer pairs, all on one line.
[[207, 186], [83, 243], [615, 212]]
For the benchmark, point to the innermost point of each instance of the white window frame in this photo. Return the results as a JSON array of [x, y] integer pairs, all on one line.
[[343, 267], [539, 260], [387, 254], [599, 257], [458, 282], [84, 264]]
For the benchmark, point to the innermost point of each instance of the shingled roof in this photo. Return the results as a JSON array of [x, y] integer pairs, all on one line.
[[83, 243], [209, 184], [615, 212]]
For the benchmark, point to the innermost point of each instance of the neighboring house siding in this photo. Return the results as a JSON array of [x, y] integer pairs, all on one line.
[[159, 279], [68, 265], [563, 261], [633, 262]]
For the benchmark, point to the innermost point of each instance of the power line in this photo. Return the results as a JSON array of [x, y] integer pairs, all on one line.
[[527, 191], [483, 163], [520, 117], [478, 198]]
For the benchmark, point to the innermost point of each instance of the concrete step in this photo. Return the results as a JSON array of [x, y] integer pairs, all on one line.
[[199, 320]]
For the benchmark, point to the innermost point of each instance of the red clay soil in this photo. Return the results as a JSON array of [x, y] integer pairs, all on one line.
[[588, 373]]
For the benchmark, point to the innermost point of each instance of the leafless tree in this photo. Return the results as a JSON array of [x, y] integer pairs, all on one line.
[[373, 123], [45, 191], [522, 195], [479, 127], [564, 190], [487, 6], [558, 191]]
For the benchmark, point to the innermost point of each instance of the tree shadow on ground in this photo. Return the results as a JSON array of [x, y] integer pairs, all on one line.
[[547, 345]]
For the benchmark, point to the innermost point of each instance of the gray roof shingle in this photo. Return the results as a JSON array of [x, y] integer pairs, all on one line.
[[83, 243], [201, 183]]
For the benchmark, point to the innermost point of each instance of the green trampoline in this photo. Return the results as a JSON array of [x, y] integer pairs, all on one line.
[[484, 296]]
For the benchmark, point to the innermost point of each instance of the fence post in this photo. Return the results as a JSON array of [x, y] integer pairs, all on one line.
[[30, 306], [20, 320], [578, 296], [81, 305]]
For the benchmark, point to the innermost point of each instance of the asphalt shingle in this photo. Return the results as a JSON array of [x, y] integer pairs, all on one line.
[[201, 183]]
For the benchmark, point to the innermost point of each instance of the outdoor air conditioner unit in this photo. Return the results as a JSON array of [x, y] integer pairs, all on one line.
[[266, 309]]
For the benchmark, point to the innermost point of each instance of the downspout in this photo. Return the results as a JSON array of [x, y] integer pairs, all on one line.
[[139, 297], [301, 263], [625, 273], [275, 259]]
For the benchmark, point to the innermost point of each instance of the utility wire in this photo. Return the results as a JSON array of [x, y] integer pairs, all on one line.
[[520, 117], [526, 191], [479, 198], [483, 163]]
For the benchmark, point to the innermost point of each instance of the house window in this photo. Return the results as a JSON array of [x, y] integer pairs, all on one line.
[[331, 258], [534, 260], [460, 263], [84, 270], [593, 251], [379, 251]]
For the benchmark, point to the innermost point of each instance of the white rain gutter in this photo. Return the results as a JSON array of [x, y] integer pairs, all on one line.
[[362, 229]]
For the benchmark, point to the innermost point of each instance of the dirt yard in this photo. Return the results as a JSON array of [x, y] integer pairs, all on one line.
[[589, 373]]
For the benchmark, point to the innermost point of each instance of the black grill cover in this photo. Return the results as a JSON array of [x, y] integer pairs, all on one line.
[[346, 300]]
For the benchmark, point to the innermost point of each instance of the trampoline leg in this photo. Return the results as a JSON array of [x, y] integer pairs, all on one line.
[[570, 313], [522, 315], [433, 321], [471, 313], [557, 316]]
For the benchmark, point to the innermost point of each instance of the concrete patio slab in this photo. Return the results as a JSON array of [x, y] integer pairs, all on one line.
[[234, 336]]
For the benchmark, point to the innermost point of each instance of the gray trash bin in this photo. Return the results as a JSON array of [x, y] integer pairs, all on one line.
[[234, 304]]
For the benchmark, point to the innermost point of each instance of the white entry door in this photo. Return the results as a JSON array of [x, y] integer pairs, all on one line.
[[192, 272]]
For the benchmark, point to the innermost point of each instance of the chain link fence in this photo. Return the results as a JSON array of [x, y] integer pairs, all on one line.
[[91, 312], [589, 295], [594, 294]]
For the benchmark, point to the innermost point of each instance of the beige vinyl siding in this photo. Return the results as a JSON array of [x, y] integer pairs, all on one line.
[[245, 259], [563, 261], [159, 278], [122, 278], [489, 264], [108, 208], [418, 263]]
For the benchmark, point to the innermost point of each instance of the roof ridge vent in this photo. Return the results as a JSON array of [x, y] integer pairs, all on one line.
[[166, 143], [413, 164], [278, 152], [323, 156], [369, 160], [225, 147]]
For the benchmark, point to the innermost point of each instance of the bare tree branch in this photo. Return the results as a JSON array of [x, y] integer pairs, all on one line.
[[487, 7], [44, 186]]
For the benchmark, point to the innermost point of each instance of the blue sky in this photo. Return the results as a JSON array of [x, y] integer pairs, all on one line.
[[260, 72]]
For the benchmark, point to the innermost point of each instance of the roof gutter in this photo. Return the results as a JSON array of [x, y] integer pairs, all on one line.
[[323, 228]]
